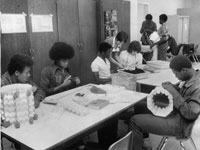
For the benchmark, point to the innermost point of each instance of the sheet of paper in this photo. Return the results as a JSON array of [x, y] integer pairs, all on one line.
[[42, 23], [13, 23]]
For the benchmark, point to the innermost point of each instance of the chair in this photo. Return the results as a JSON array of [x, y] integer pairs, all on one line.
[[189, 50], [194, 55], [125, 143], [163, 142], [194, 138]]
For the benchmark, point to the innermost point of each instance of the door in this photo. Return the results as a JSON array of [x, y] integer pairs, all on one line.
[[185, 29], [88, 38], [68, 30]]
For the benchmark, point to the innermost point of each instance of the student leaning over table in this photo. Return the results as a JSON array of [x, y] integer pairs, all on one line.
[[18, 71], [186, 99], [116, 43], [56, 78]]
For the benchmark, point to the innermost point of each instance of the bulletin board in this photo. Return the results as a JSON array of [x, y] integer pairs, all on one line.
[[110, 22]]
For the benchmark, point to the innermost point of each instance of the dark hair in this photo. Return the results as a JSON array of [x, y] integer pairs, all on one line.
[[18, 62], [104, 47], [179, 62], [61, 50], [134, 46], [149, 17], [163, 17], [122, 36]]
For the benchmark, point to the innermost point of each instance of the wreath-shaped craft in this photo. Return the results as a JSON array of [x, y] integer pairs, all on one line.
[[160, 102], [17, 105]]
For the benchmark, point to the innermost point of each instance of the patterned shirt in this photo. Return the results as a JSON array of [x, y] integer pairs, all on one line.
[[190, 91], [53, 76]]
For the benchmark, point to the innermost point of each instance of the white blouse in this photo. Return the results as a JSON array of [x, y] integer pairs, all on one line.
[[130, 61], [101, 66]]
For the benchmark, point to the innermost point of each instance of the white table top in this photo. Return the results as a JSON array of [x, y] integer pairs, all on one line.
[[163, 75], [50, 130], [156, 79]]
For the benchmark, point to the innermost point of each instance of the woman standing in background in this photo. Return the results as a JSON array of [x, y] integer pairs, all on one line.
[[163, 42]]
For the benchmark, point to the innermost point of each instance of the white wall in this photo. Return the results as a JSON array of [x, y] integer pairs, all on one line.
[[156, 7]]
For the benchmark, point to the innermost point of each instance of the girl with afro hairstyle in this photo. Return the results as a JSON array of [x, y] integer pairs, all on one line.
[[56, 78], [164, 36]]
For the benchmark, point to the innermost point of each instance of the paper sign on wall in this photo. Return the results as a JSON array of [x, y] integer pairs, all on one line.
[[42, 23], [13, 23]]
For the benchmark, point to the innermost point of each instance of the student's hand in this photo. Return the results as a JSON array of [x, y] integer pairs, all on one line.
[[77, 80], [34, 89], [67, 81], [170, 88], [37, 102], [151, 46], [120, 66]]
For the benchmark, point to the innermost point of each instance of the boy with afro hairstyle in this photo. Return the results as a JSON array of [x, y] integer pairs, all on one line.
[[56, 78]]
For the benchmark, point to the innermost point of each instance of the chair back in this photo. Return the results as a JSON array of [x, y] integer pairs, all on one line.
[[188, 49], [125, 143], [196, 133], [196, 48]]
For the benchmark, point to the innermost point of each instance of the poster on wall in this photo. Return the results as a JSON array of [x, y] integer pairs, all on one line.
[[13, 23], [110, 22], [42, 23]]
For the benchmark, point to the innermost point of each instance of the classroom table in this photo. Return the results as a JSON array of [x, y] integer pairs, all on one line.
[[160, 76], [53, 130], [157, 78]]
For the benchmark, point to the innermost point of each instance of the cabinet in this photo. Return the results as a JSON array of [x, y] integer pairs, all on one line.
[[23, 42], [13, 43], [77, 26], [179, 28], [74, 22]]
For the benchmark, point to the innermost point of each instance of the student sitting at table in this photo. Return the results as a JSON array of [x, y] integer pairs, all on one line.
[[132, 57], [56, 78], [101, 71], [186, 101], [101, 65], [18, 71]]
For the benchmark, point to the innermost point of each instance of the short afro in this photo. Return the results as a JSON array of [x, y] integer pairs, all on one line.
[[163, 17], [18, 62], [61, 50], [179, 62], [104, 47], [148, 17]]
